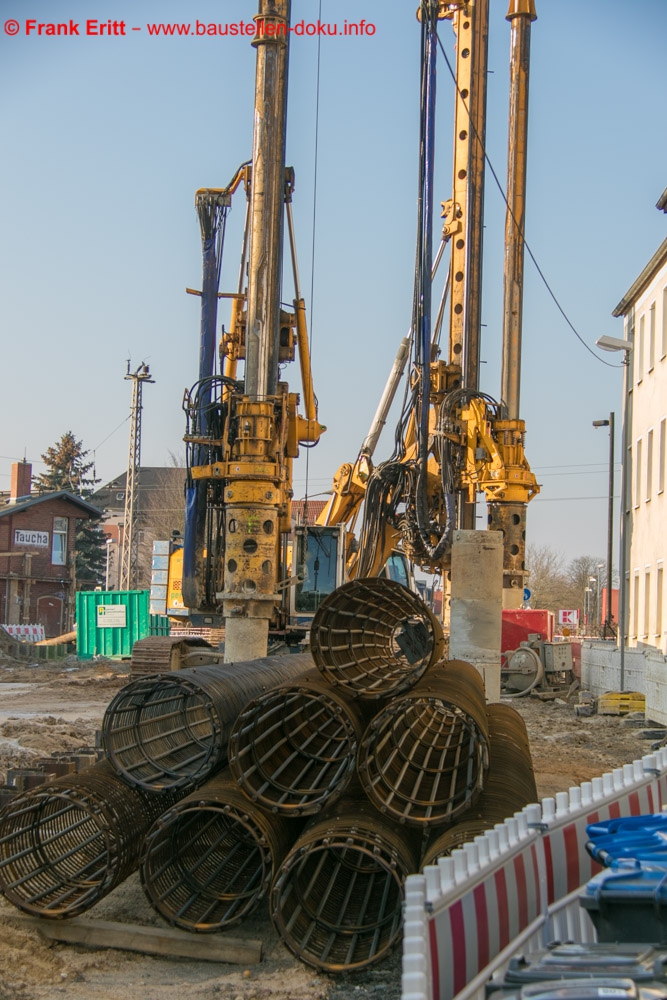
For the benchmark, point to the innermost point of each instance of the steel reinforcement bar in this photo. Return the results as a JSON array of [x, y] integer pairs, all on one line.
[[293, 750], [422, 759], [208, 862], [375, 637], [336, 901], [170, 731], [65, 845], [508, 787]]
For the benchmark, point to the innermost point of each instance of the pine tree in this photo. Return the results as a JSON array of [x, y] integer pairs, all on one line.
[[67, 469]]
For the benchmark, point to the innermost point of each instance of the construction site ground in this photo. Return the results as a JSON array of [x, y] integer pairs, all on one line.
[[53, 707]]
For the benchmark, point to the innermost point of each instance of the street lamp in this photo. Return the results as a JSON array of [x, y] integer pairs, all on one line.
[[106, 579], [587, 607], [615, 344], [592, 579], [598, 612], [608, 626]]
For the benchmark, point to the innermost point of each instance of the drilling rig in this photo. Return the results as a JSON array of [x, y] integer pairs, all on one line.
[[242, 436], [452, 441]]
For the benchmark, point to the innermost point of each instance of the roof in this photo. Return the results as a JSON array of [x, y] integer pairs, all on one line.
[[152, 480], [31, 501], [658, 259], [662, 202], [315, 508]]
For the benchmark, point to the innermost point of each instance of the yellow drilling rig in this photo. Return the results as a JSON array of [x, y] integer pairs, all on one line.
[[240, 563]]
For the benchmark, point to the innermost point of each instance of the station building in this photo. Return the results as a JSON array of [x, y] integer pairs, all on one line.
[[37, 555]]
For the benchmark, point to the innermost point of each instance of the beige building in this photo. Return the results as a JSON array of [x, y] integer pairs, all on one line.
[[644, 312]]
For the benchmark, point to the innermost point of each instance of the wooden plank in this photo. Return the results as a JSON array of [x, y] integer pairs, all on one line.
[[163, 941]]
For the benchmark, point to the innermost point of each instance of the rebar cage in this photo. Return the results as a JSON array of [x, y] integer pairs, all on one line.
[[375, 637]]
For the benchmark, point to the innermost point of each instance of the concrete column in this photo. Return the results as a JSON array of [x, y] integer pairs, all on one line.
[[245, 638], [476, 604]]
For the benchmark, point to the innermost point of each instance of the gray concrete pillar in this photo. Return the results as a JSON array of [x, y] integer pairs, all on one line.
[[476, 604]]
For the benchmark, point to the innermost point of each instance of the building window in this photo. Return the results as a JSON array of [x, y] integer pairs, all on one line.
[[661, 457], [651, 337], [663, 348], [59, 546], [658, 602], [639, 352], [638, 472], [635, 607], [647, 602], [649, 464]]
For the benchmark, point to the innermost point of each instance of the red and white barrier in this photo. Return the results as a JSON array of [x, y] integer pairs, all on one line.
[[516, 886], [30, 633]]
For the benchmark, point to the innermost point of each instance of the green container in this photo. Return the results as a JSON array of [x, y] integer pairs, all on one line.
[[109, 622], [159, 625]]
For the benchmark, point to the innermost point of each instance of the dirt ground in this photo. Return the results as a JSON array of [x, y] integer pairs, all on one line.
[[47, 708]]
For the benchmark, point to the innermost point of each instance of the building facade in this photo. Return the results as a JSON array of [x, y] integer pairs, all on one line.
[[159, 512], [37, 554], [644, 312]]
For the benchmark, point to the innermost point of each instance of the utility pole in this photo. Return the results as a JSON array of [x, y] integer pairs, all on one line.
[[129, 550], [607, 625]]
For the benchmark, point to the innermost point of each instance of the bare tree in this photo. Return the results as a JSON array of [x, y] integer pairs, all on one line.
[[555, 584], [162, 513], [585, 574], [547, 577]]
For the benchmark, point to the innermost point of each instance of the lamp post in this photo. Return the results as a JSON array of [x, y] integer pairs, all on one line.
[[587, 608], [616, 344], [106, 576], [592, 579], [598, 610], [608, 628]]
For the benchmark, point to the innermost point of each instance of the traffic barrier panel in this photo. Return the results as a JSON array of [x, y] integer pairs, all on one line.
[[518, 885]]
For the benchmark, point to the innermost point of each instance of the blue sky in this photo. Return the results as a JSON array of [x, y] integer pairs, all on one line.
[[106, 140]]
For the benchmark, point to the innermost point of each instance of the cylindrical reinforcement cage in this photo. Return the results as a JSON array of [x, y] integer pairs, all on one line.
[[422, 759], [336, 901], [65, 845], [170, 731], [509, 784], [375, 637], [208, 861], [294, 749]]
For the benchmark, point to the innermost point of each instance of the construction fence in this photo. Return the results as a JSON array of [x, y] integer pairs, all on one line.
[[516, 887]]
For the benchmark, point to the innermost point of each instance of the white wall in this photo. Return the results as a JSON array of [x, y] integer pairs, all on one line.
[[645, 671], [647, 480]]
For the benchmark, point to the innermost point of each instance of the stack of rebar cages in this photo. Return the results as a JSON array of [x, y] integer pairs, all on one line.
[[318, 790]]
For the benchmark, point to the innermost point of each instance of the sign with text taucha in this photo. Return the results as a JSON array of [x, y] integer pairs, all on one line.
[[38, 538]]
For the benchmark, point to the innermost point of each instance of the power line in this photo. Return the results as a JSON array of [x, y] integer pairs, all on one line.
[[563, 499]]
